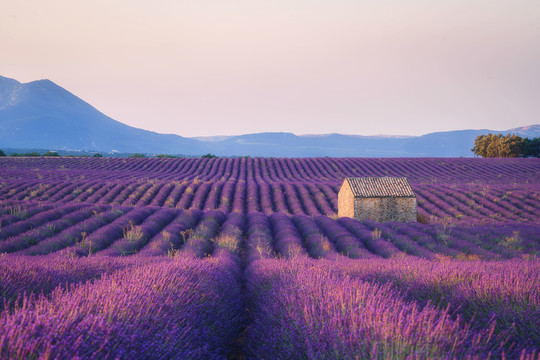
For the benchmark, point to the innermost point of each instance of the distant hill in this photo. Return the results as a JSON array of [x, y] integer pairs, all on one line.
[[41, 114]]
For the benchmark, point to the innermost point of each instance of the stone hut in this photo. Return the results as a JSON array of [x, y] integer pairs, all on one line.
[[380, 199]]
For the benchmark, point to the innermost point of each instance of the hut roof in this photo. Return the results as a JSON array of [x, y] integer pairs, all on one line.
[[370, 187]]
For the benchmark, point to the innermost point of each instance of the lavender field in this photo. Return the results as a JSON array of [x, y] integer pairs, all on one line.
[[245, 258]]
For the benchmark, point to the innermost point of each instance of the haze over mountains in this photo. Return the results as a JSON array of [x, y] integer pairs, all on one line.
[[43, 115]]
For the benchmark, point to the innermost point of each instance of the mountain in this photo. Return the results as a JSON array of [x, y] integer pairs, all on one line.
[[531, 131], [43, 115], [440, 144]]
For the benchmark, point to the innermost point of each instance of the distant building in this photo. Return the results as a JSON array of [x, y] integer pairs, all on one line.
[[380, 199]]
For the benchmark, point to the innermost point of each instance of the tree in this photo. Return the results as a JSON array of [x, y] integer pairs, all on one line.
[[97, 155], [137, 155], [531, 147], [168, 156], [497, 145], [511, 146], [208, 156], [481, 144], [2, 153], [51, 153]]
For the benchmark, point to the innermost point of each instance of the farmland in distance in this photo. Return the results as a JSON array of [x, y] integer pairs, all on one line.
[[245, 258]]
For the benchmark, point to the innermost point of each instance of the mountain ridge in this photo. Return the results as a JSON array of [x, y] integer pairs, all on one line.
[[42, 114]]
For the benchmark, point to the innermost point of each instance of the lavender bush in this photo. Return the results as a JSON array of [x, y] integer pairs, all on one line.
[[245, 258], [173, 309]]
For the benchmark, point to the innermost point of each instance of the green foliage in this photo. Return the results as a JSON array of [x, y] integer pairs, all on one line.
[[137, 155], [33, 153], [510, 145], [208, 156], [531, 147], [161, 156], [2, 153], [51, 153], [97, 155]]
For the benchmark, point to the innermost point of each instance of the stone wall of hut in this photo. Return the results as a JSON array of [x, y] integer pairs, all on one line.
[[385, 209]]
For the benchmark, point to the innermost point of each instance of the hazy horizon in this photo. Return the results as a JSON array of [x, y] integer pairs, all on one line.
[[206, 68]]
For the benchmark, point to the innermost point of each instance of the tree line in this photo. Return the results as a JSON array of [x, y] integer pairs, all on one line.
[[510, 145], [46, 154]]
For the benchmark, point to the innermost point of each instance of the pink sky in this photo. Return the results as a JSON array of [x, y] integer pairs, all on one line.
[[201, 67]]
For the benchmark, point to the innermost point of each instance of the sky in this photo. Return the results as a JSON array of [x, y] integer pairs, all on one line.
[[214, 67]]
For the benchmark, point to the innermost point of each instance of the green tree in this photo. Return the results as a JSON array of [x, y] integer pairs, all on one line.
[[2, 153], [511, 146], [208, 156], [137, 155], [497, 145], [531, 147], [481, 144], [492, 150], [51, 153], [97, 155]]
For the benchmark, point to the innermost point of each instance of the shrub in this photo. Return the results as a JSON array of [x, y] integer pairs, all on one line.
[[51, 153], [33, 153]]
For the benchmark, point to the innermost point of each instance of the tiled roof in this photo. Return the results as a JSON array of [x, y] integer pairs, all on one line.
[[380, 187]]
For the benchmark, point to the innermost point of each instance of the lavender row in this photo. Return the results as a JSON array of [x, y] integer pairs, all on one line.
[[463, 204], [501, 294], [172, 236], [135, 237], [225, 196], [83, 230], [103, 237], [200, 241], [169, 309], [76, 234], [418, 170], [34, 236], [370, 308], [40, 218], [23, 276], [313, 310]]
